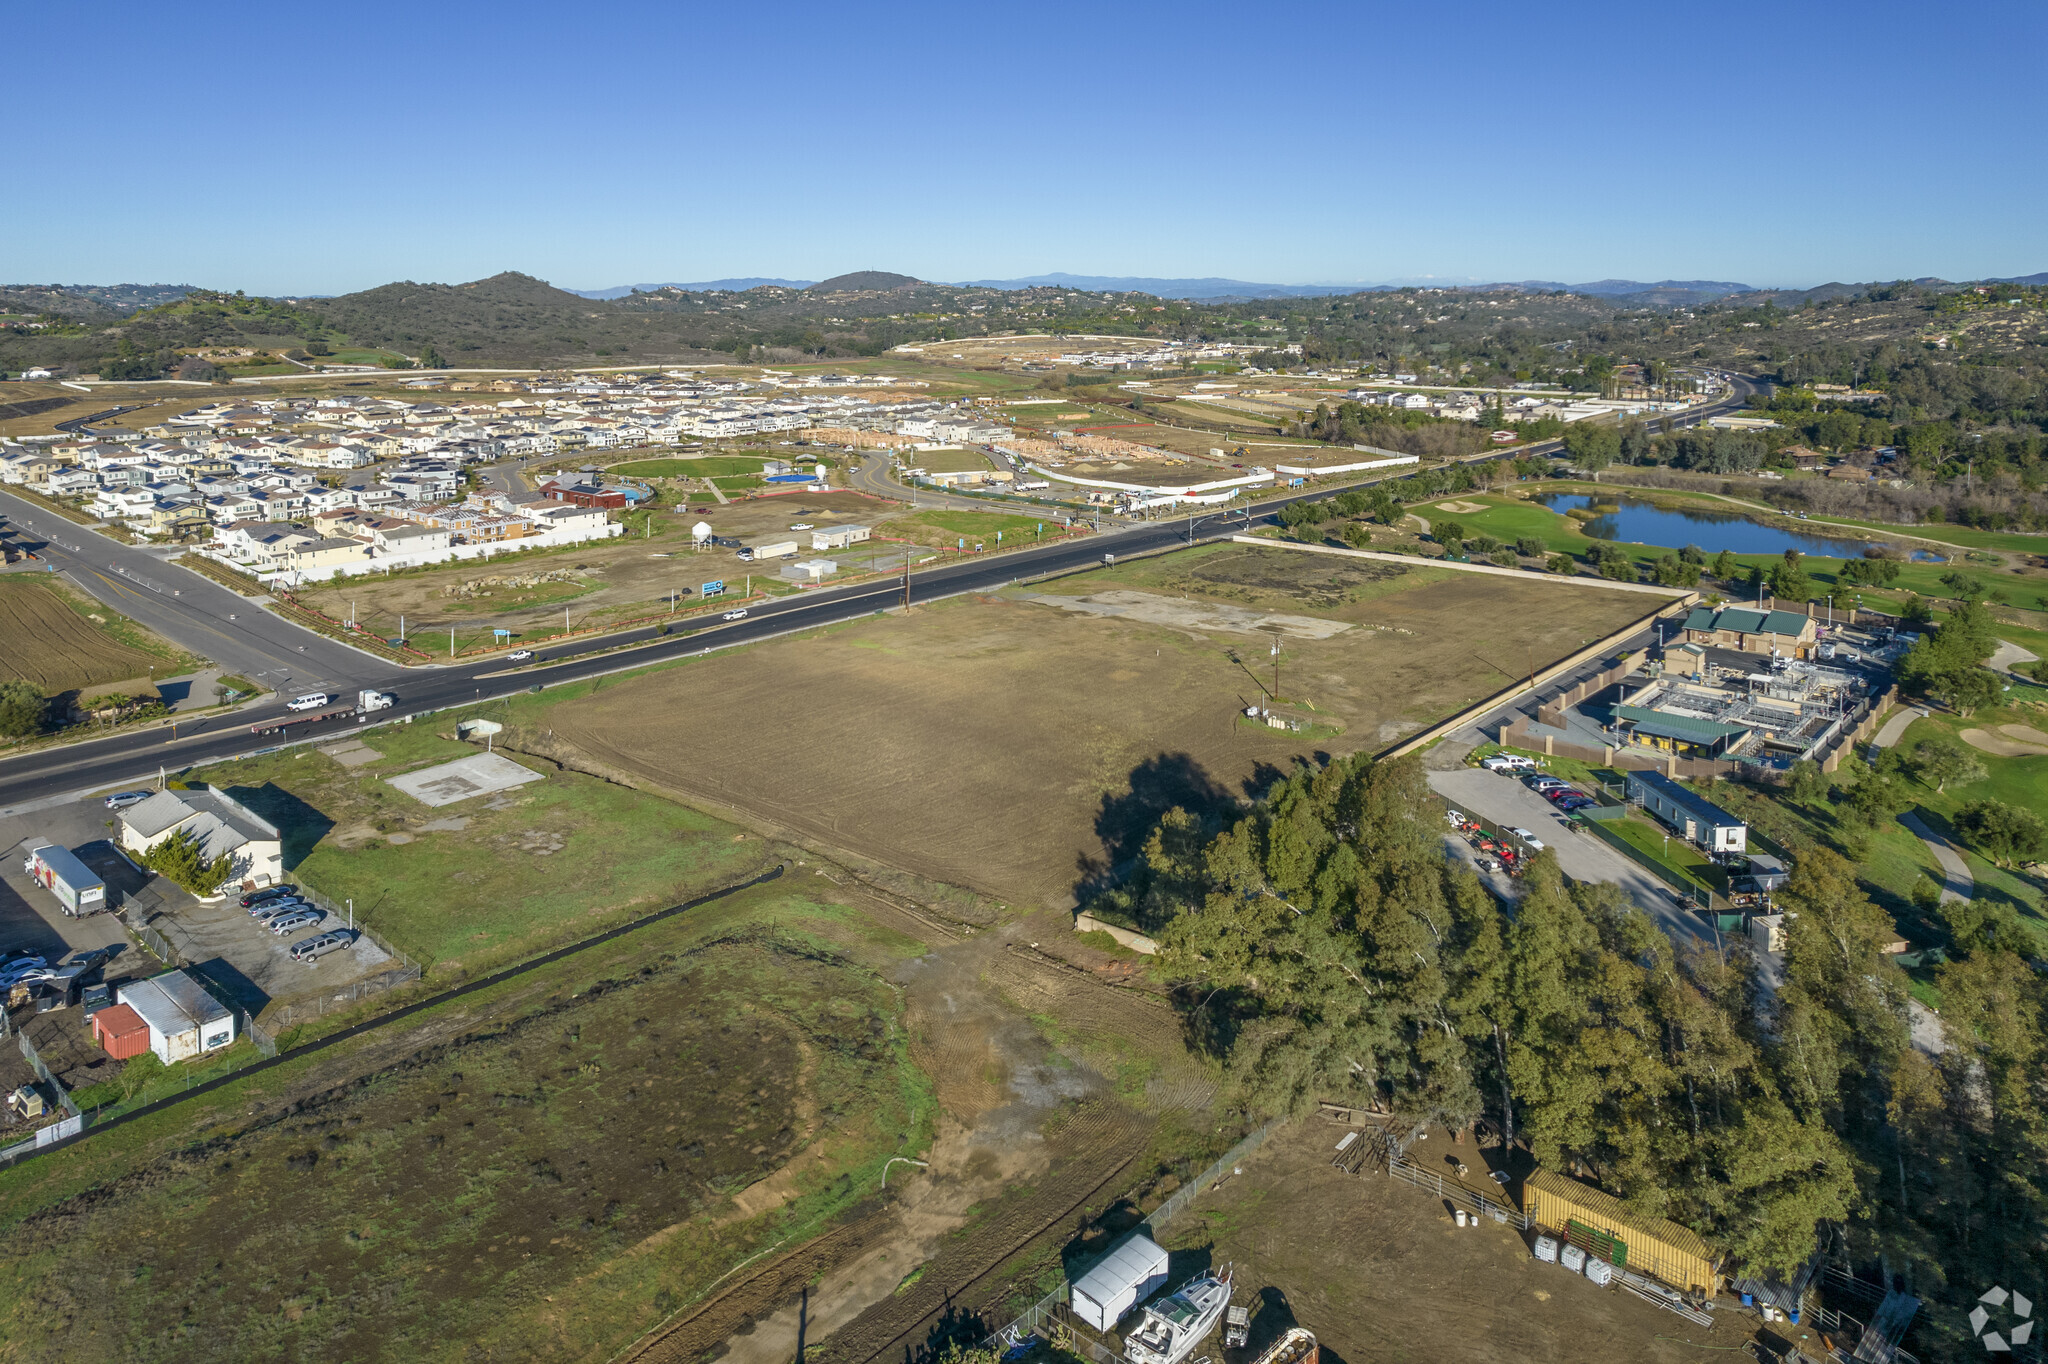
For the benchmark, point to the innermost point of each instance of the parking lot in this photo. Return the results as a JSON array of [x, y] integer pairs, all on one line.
[[246, 965], [1501, 799]]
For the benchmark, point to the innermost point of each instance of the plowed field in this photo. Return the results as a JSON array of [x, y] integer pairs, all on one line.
[[53, 648]]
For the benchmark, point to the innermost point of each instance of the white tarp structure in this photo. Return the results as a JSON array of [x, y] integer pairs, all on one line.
[[1131, 1272]]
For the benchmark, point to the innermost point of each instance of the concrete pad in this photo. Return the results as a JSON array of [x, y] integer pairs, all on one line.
[[477, 775], [355, 753], [1179, 613]]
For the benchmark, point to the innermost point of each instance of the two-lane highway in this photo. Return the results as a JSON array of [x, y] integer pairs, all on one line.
[[127, 758]]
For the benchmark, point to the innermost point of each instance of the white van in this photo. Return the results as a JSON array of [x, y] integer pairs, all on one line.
[[312, 700]]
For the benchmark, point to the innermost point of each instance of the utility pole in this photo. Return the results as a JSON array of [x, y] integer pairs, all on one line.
[[451, 641]]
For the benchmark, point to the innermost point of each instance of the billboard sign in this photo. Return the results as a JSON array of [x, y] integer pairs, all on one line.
[[713, 588]]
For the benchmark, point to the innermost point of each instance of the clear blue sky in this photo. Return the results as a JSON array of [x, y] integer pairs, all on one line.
[[323, 148]]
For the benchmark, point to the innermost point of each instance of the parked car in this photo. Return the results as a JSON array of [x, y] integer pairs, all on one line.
[[266, 895], [1558, 793], [121, 800], [1541, 784], [1507, 762], [1571, 803], [1535, 844], [278, 909], [520, 655], [310, 950], [284, 925]]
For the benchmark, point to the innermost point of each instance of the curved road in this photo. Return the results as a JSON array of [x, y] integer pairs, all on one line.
[[198, 610]]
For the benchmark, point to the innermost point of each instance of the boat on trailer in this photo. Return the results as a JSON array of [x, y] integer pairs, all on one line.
[[1171, 1328], [1297, 1345]]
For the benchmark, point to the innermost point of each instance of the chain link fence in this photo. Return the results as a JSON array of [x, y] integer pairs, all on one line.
[[1050, 1317]]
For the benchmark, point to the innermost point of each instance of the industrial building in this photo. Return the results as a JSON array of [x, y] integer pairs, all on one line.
[[1692, 817], [183, 1019], [1693, 710], [1752, 630]]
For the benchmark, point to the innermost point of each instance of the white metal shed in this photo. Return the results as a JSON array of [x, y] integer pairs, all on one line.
[[1131, 1272]]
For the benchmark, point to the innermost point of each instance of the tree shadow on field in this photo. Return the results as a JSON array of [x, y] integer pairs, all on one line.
[[955, 1327], [1125, 821]]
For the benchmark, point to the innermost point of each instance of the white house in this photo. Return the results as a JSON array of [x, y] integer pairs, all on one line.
[[223, 827], [184, 1020]]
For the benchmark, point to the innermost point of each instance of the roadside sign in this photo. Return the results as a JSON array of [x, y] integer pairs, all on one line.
[[713, 588]]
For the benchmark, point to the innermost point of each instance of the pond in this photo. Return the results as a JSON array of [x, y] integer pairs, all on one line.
[[1639, 522]]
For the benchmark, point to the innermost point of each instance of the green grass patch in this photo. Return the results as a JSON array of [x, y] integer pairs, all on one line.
[[707, 466], [976, 527], [549, 862]]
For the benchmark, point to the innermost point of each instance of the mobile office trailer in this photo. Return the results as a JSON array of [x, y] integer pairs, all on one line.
[[1132, 1271], [57, 869]]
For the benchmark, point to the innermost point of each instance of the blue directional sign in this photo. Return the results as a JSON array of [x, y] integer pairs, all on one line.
[[713, 588]]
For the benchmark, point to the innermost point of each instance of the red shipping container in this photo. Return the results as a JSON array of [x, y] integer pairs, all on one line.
[[121, 1031]]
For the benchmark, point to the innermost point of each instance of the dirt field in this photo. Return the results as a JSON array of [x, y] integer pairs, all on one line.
[[612, 580], [1018, 748], [625, 1140], [56, 648], [1379, 1272]]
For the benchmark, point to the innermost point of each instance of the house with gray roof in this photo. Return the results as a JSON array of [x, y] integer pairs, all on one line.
[[222, 826]]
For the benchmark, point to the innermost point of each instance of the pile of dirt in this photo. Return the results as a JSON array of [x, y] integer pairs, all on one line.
[[483, 587]]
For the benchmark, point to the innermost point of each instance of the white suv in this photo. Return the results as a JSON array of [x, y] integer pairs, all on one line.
[[312, 700]]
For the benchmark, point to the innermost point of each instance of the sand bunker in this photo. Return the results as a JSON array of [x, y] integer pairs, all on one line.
[[2015, 741], [1461, 508], [1179, 613]]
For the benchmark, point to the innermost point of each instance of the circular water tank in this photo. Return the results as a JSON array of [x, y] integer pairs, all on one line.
[[701, 531]]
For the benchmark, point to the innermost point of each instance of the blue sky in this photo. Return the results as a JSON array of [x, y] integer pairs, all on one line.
[[319, 149]]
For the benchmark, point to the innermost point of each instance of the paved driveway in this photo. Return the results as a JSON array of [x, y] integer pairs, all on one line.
[[1504, 800]]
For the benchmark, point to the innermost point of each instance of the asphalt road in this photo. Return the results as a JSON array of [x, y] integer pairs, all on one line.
[[187, 609], [209, 619]]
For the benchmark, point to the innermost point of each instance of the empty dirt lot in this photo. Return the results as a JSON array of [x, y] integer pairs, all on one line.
[[1019, 748], [609, 580], [1378, 1270]]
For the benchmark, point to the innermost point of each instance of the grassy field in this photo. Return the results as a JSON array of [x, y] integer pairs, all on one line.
[[948, 461], [469, 886], [1013, 746], [976, 527], [59, 640], [545, 1170], [703, 467]]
